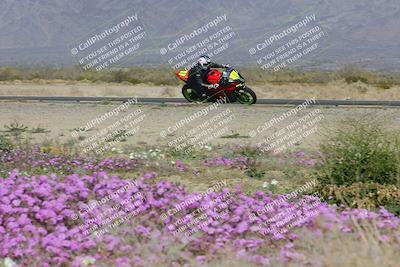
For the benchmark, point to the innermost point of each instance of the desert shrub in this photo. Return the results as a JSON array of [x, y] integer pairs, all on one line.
[[119, 76], [359, 152], [355, 78], [254, 169], [352, 74], [364, 195], [9, 74], [360, 167], [384, 84]]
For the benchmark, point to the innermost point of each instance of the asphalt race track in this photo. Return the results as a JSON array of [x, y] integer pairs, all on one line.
[[183, 101]]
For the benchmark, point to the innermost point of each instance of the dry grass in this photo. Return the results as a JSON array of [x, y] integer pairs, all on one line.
[[333, 90], [333, 248], [363, 248]]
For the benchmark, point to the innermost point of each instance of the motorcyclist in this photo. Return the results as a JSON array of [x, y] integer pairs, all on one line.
[[198, 75]]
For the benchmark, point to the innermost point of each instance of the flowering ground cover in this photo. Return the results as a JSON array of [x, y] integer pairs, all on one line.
[[58, 210]]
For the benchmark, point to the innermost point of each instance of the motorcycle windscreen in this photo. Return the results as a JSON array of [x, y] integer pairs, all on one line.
[[234, 76]]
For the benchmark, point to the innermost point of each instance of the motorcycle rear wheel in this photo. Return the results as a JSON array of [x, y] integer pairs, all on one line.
[[190, 94], [246, 96]]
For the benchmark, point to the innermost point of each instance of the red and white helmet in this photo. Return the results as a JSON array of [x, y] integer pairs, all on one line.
[[204, 62]]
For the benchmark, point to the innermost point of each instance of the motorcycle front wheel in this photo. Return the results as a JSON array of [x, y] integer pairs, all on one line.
[[246, 96]]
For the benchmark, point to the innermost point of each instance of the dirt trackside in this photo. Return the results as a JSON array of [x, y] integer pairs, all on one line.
[[172, 121]]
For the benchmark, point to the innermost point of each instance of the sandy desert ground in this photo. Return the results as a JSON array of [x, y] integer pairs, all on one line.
[[238, 121]]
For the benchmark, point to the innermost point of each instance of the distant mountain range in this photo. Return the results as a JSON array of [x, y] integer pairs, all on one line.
[[43, 32]]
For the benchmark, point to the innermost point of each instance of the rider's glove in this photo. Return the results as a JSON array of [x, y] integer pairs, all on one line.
[[227, 66]]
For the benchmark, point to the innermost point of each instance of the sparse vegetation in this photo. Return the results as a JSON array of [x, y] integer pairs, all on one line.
[[165, 76], [235, 136], [15, 128], [5, 144], [38, 130], [254, 169], [157, 76]]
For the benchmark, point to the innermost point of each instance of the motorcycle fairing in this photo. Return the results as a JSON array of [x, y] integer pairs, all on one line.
[[182, 75]]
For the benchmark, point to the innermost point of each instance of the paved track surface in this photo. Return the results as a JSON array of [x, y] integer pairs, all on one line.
[[183, 101]]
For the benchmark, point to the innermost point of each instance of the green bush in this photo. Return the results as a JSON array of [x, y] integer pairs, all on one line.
[[359, 152], [360, 167]]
